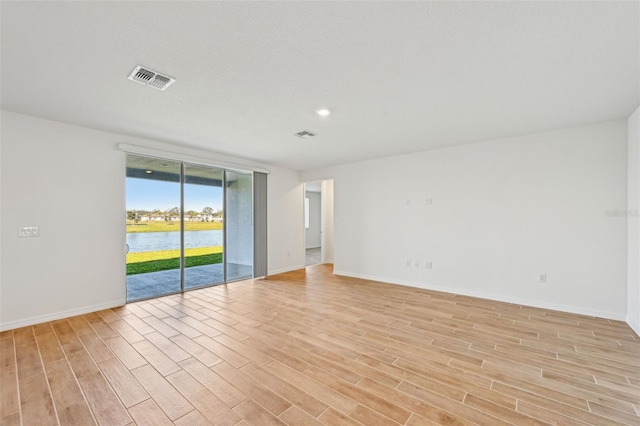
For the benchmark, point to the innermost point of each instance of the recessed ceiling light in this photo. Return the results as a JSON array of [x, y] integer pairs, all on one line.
[[323, 112], [148, 172]]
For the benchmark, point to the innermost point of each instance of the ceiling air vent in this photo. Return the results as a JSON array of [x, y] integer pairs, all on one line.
[[305, 134], [151, 78]]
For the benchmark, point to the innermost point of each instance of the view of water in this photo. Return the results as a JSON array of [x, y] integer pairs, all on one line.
[[153, 241]]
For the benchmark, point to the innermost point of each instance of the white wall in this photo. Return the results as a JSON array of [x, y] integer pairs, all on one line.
[[1, 233], [312, 233], [285, 216], [327, 221], [70, 181], [633, 206], [491, 217]]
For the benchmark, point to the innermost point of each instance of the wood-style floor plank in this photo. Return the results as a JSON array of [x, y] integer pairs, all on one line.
[[167, 397], [156, 357], [256, 414], [63, 384], [222, 389], [105, 405], [194, 418], [252, 388], [9, 397], [76, 414], [289, 392], [149, 413], [311, 348], [124, 384], [36, 401], [212, 408]]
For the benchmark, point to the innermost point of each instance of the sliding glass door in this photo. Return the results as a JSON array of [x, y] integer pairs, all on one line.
[[188, 226], [153, 227], [239, 225], [204, 226]]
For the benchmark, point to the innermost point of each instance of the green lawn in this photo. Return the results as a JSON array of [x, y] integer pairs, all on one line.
[[146, 256], [162, 226], [174, 263]]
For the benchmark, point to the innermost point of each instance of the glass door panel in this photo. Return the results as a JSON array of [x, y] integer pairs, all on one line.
[[203, 226], [153, 227], [239, 225]]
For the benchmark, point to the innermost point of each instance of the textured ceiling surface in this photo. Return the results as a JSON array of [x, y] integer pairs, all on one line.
[[399, 77]]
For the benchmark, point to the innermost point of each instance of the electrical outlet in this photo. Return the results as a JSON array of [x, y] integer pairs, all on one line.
[[428, 265], [428, 201], [417, 264], [542, 277], [408, 262]]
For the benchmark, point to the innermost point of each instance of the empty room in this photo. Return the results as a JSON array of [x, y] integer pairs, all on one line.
[[319, 213]]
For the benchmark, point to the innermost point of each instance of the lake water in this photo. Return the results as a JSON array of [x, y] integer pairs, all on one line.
[[152, 241]]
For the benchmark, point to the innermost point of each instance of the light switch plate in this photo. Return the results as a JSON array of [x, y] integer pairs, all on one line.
[[29, 231]]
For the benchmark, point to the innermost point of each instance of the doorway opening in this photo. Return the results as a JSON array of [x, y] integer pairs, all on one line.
[[318, 222]]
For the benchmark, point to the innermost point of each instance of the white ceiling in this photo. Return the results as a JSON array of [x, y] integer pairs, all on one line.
[[399, 77]]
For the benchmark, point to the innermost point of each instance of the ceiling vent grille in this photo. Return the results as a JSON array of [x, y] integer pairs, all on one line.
[[305, 134], [150, 78]]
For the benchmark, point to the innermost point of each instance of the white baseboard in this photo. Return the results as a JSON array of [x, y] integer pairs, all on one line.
[[634, 326], [59, 315], [497, 297], [283, 270]]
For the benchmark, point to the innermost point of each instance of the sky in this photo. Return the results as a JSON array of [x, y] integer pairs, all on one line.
[[145, 194]]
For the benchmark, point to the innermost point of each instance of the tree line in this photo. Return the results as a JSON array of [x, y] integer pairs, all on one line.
[[207, 214]]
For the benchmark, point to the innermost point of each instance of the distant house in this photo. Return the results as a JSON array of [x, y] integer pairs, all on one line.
[[162, 218]]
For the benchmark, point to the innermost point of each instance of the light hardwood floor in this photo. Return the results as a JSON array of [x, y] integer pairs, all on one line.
[[313, 348]]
